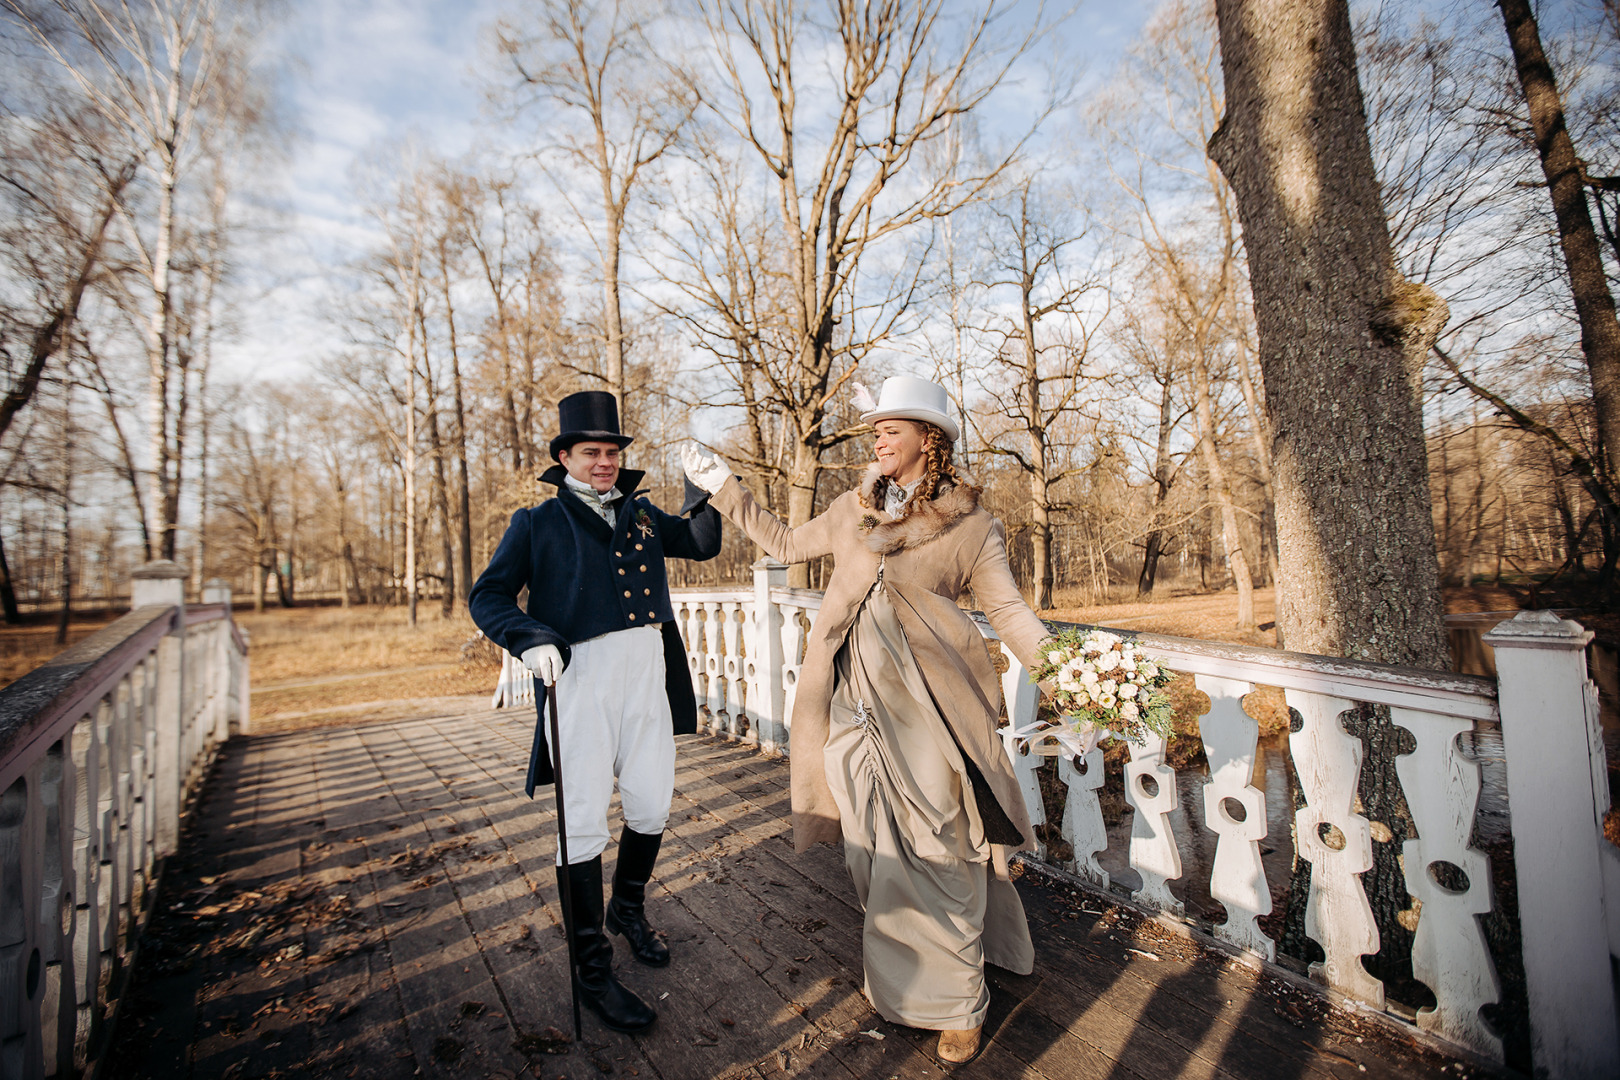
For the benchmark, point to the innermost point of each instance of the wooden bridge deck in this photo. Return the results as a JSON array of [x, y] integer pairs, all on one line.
[[378, 901]]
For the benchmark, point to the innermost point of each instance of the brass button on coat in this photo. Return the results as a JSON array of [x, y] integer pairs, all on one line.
[[621, 569], [627, 592], [632, 616], [638, 547], [643, 568]]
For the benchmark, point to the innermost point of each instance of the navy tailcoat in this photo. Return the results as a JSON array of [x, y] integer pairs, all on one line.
[[586, 578]]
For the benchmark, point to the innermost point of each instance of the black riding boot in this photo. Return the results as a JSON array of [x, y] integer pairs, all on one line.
[[619, 1009], [627, 911]]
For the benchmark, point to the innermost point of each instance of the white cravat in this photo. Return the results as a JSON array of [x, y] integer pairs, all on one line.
[[895, 498], [598, 501]]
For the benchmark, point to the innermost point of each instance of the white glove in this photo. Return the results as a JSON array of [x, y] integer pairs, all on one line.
[[545, 661], [705, 470]]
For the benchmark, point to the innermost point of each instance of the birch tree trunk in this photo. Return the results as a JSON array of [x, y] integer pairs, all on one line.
[[1237, 558]]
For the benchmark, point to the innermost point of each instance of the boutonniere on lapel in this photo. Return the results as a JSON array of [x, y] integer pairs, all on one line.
[[868, 523], [644, 523]]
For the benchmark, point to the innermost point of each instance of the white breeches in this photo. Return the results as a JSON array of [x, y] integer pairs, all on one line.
[[613, 718]]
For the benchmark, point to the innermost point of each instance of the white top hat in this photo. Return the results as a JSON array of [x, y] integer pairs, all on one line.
[[905, 398]]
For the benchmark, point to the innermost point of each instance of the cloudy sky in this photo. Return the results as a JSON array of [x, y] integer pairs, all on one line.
[[362, 74]]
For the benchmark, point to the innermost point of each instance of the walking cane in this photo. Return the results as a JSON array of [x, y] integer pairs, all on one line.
[[562, 849]]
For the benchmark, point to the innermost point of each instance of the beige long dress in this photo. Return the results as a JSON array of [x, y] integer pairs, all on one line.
[[914, 840]]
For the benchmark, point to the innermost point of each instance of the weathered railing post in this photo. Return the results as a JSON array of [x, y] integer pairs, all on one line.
[[233, 711], [767, 695], [1558, 791], [163, 584]]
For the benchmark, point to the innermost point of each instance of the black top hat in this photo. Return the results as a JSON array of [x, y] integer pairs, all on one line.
[[588, 416]]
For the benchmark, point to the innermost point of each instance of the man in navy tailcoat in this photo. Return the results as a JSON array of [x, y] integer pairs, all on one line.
[[599, 625]]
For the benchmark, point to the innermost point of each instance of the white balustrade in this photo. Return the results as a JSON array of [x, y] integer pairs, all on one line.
[[1150, 789], [1337, 842], [1083, 823], [1237, 880], [745, 646], [1449, 954], [100, 754]]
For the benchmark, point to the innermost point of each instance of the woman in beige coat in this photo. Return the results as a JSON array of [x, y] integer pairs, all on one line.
[[893, 743]]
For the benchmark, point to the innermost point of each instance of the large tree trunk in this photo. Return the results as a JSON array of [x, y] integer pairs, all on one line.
[[1355, 532], [1342, 342]]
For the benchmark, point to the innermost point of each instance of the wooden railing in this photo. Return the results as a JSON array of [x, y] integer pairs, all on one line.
[[101, 752], [1537, 723]]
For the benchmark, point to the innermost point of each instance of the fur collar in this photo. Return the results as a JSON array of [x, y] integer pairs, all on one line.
[[924, 521]]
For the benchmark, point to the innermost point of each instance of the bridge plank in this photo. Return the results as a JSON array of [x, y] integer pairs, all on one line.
[[405, 861]]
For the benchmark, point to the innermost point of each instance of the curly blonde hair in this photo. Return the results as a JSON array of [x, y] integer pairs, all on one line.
[[939, 467]]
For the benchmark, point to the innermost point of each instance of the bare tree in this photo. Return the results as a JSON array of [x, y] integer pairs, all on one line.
[[162, 73], [595, 61], [901, 74], [1174, 69], [1038, 254], [1567, 181]]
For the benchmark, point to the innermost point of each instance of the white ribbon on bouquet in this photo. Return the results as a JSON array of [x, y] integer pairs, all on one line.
[[1058, 740]]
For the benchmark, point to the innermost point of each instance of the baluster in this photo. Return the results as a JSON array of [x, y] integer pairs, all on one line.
[[58, 1006], [1153, 842], [502, 698], [765, 690], [1449, 954], [90, 882], [1337, 915], [1024, 766], [142, 790], [1238, 878], [20, 814], [1083, 825], [116, 830], [712, 664], [110, 739], [792, 648], [736, 725], [690, 619]]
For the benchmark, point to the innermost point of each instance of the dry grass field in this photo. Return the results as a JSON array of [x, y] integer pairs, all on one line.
[[317, 665], [322, 664]]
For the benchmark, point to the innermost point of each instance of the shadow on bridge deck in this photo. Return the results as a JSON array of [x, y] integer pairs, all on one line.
[[378, 901]]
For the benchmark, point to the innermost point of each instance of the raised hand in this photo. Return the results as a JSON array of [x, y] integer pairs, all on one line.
[[705, 470]]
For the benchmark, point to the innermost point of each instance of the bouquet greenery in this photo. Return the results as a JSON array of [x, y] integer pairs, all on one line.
[[1105, 686]]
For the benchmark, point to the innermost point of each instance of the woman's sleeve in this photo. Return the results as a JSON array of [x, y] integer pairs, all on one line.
[[998, 597], [812, 539]]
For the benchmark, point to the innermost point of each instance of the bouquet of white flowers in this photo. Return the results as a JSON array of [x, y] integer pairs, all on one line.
[[1104, 686]]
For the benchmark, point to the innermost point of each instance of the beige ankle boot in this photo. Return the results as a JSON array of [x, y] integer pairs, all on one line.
[[956, 1047]]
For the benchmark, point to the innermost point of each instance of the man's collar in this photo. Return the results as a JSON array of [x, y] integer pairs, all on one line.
[[582, 489], [629, 479]]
